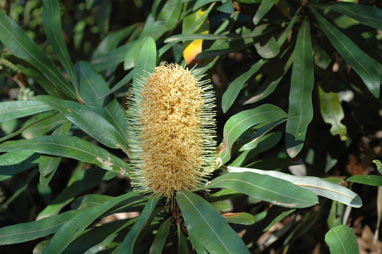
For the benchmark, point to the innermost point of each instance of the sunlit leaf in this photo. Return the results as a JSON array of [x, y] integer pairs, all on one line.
[[318, 186], [342, 240], [332, 113]]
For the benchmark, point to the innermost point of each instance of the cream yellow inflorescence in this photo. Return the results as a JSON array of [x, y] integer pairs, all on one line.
[[171, 117]]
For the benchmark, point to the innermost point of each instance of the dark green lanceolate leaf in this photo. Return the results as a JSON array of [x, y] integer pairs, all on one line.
[[92, 87], [167, 20], [260, 133], [342, 240], [28, 231], [49, 164], [94, 91], [87, 120], [270, 84], [13, 158], [13, 163], [97, 238], [367, 15], [160, 237], [300, 110], [206, 226], [70, 147], [81, 180], [14, 38], [128, 243], [267, 188], [201, 3], [234, 88], [362, 64], [372, 180], [332, 113], [41, 124], [264, 7], [182, 242], [147, 59], [239, 123], [103, 15], [82, 219], [53, 30], [112, 58], [15, 109], [318, 186], [112, 40], [278, 218]]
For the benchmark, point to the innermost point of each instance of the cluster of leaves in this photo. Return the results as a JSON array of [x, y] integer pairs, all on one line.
[[312, 50]]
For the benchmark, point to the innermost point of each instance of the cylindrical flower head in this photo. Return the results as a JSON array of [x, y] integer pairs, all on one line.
[[172, 129]]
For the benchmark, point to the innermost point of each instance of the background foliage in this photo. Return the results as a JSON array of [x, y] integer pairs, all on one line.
[[299, 116]]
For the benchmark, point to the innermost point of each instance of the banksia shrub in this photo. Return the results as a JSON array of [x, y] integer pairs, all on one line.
[[171, 119]]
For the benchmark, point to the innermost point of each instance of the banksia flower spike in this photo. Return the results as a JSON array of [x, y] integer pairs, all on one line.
[[171, 119]]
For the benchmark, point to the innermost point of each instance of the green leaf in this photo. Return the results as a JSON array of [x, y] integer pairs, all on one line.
[[70, 147], [367, 15], [160, 237], [28, 231], [332, 113], [49, 164], [167, 20], [14, 38], [278, 218], [92, 87], [112, 40], [300, 110], [94, 91], [97, 238], [128, 243], [112, 58], [13, 158], [41, 124], [267, 188], [362, 64], [378, 163], [264, 7], [103, 15], [80, 181], [200, 3], [342, 240], [239, 123], [318, 186], [53, 31], [270, 83], [87, 120], [13, 163], [260, 133], [371, 180], [147, 59], [269, 50], [257, 33], [73, 228], [15, 109], [204, 223], [239, 218], [182, 242], [234, 88]]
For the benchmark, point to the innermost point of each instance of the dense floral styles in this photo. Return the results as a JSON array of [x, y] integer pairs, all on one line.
[[171, 117]]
